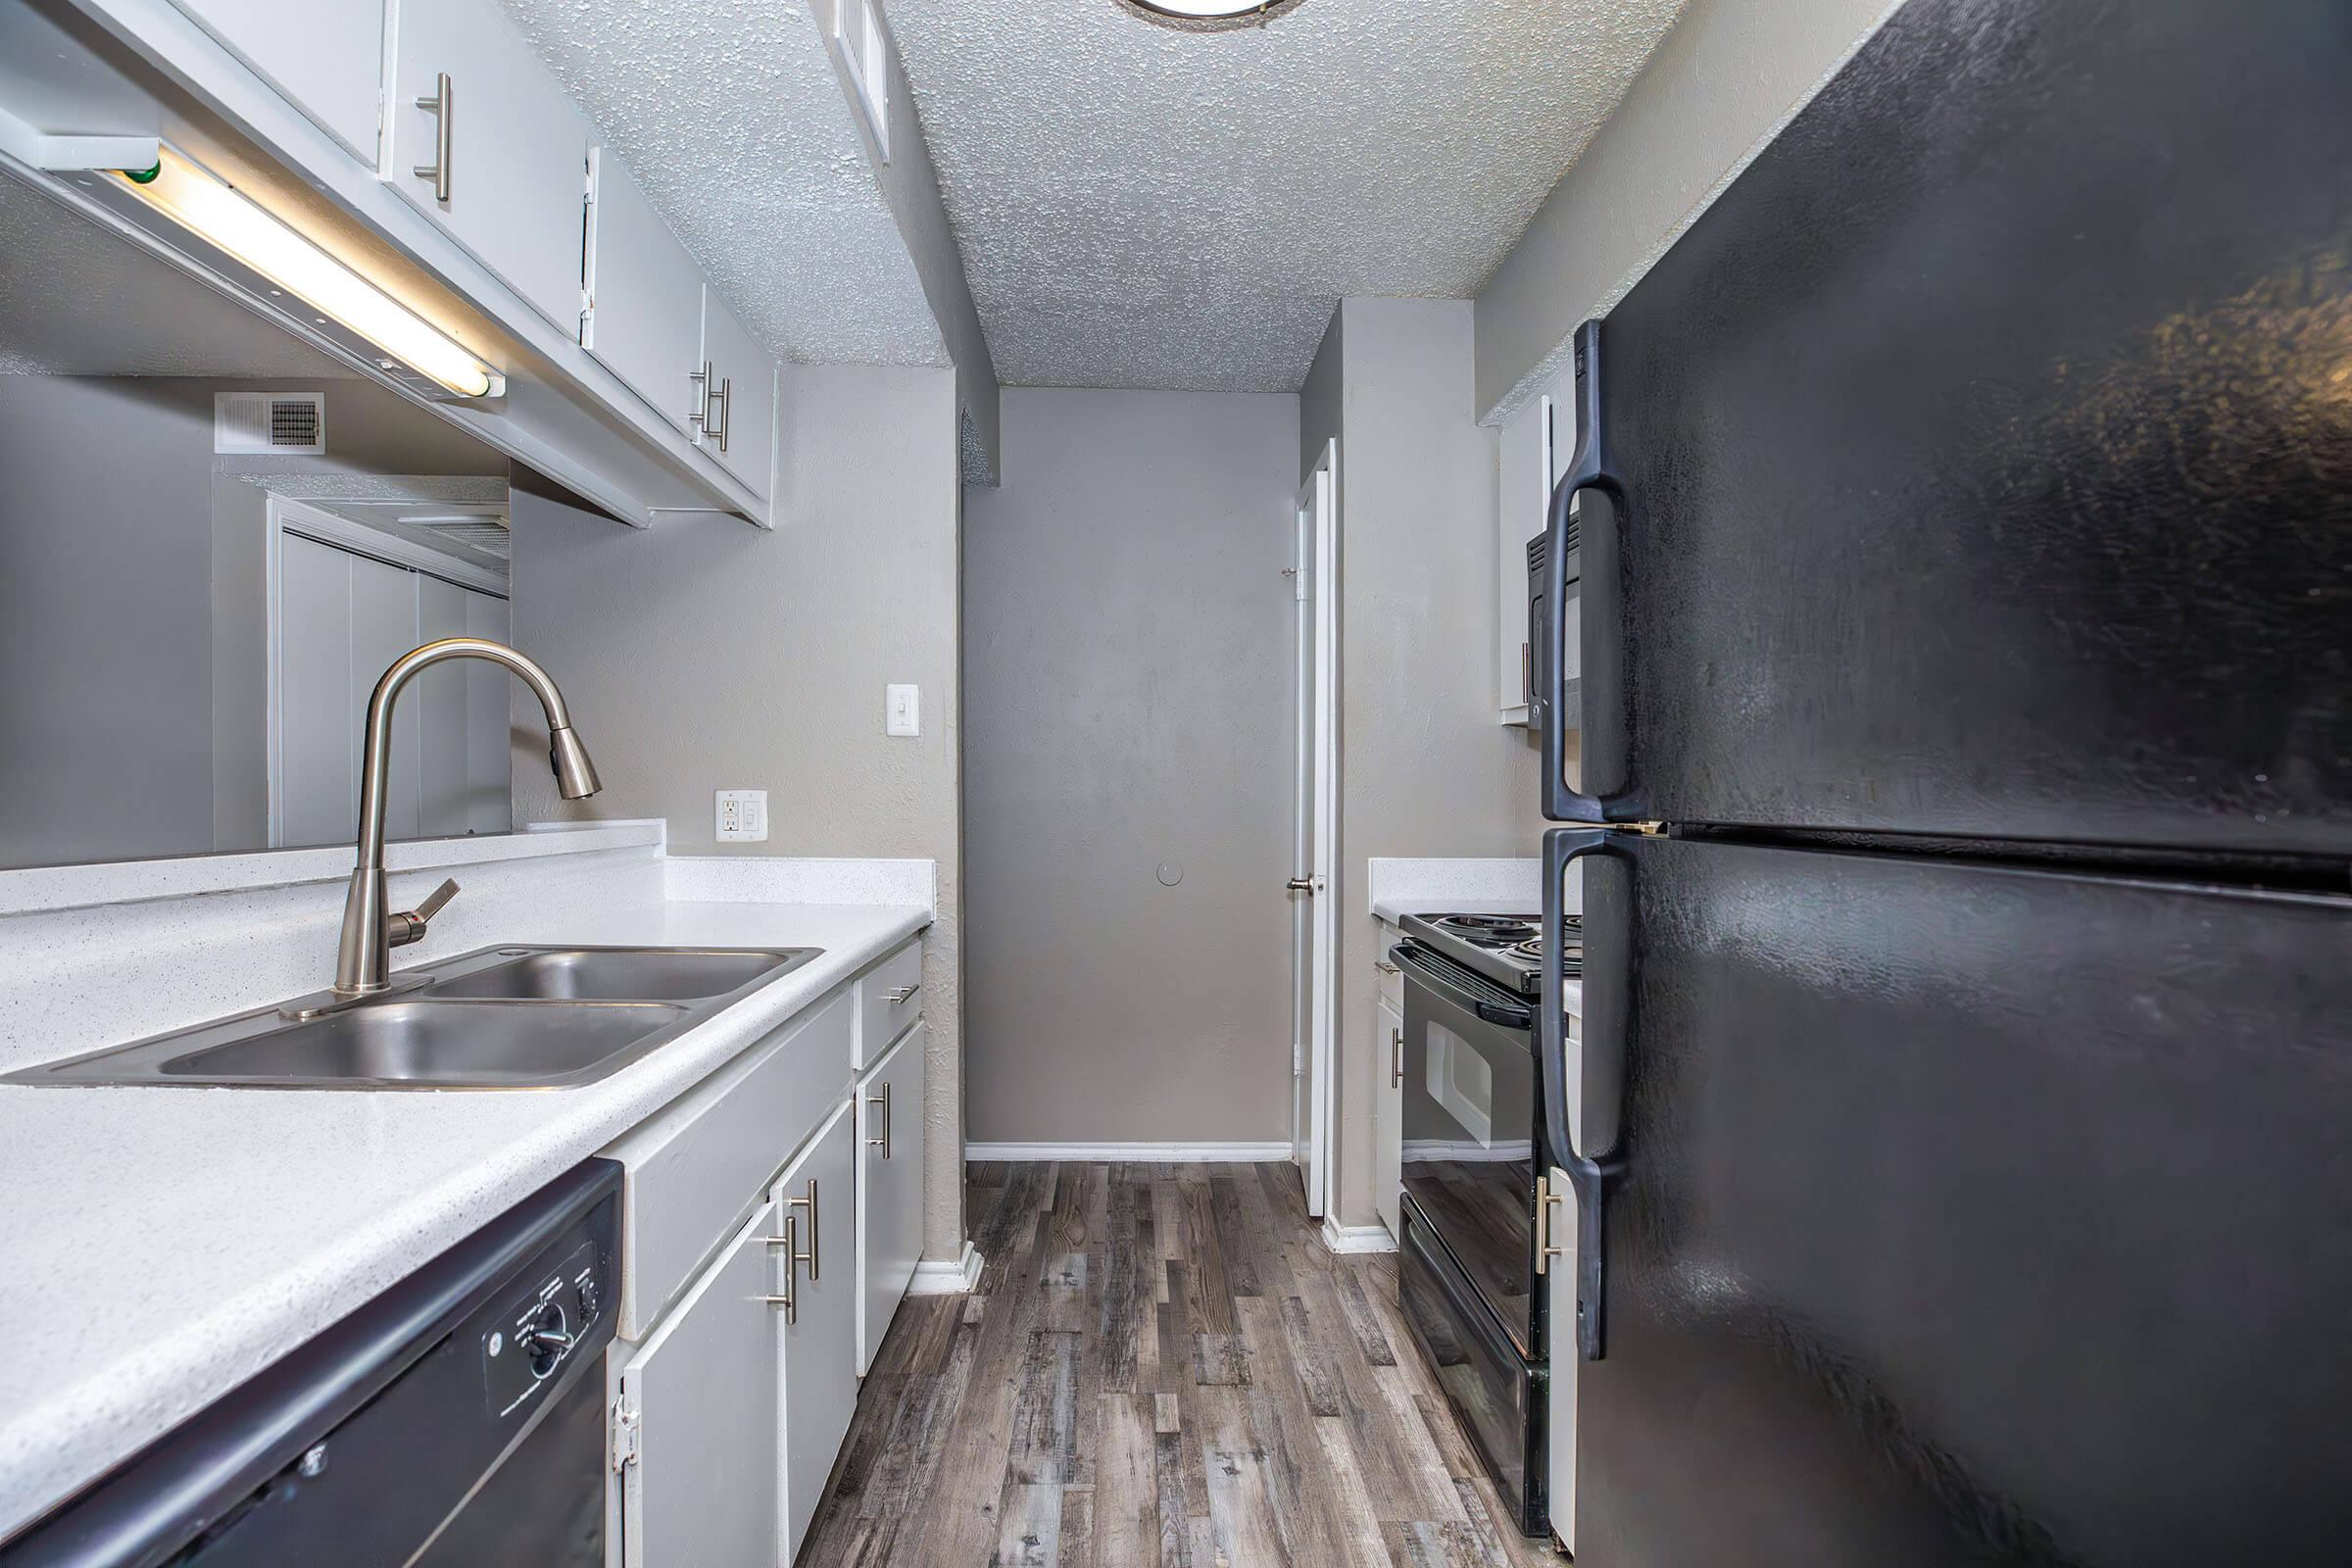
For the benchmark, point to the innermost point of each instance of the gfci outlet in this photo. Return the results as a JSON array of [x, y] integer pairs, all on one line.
[[742, 816], [902, 710]]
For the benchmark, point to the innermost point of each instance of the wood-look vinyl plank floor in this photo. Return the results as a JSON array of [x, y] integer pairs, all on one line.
[[1162, 1367]]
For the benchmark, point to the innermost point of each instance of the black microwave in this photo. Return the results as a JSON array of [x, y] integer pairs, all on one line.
[[1532, 658]]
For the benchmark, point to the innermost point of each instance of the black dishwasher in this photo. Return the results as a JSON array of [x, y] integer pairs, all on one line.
[[455, 1420]]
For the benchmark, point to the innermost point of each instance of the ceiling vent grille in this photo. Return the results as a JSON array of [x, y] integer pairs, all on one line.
[[485, 536], [283, 423]]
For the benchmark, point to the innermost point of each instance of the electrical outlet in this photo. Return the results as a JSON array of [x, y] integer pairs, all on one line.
[[742, 816], [903, 711]]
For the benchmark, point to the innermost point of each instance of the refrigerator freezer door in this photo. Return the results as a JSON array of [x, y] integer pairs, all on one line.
[[1985, 452], [1972, 1215]]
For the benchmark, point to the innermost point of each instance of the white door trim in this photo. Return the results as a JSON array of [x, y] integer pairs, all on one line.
[[1318, 632]]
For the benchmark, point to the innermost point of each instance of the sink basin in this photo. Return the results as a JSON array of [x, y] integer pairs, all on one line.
[[510, 1018], [621, 974], [433, 1043]]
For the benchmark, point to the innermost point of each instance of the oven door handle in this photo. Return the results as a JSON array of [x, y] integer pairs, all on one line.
[[1588, 1171], [1424, 969]]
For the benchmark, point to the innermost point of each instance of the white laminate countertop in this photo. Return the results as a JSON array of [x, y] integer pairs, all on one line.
[[162, 1245]]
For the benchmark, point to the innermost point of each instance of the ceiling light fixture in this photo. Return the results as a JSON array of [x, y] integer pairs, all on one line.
[[217, 214], [1210, 15]]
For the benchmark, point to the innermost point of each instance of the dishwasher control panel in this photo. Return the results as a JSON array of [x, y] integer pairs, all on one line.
[[537, 1330]]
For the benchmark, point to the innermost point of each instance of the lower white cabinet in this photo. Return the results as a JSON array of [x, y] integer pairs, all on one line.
[[1387, 1112], [696, 1435], [815, 1327], [1560, 1306], [890, 1188]]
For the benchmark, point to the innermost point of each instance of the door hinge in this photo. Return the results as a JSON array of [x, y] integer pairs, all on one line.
[[626, 1430]]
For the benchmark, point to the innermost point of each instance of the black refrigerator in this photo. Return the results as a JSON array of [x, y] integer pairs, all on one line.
[[1961, 1131]]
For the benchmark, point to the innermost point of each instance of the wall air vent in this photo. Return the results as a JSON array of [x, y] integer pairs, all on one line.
[[484, 535], [283, 423]]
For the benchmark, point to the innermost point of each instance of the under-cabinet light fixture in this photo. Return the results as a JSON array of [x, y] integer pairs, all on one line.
[[219, 215]]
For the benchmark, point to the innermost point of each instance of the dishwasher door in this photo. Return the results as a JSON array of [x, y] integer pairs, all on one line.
[[455, 1420]]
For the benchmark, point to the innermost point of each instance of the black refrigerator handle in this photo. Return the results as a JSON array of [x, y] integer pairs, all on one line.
[[1601, 676], [1590, 1171]]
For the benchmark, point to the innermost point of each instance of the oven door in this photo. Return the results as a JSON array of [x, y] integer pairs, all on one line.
[[1470, 1110]]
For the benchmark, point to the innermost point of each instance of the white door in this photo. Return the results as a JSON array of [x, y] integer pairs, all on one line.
[[325, 56], [890, 1188], [739, 432], [703, 1390], [645, 297], [1388, 1113], [1313, 827], [1560, 1304], [817, 1336], [513, 187]]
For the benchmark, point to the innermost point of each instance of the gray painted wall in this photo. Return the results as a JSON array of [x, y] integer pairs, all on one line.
[[1127, 684], [703, 654], [1425, 769], [132, 583], [1724, 82]]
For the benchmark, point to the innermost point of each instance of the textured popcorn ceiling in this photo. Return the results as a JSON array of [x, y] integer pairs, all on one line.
[[729, 114], [1141, 207]]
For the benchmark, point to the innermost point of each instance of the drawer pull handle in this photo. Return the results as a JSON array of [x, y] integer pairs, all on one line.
[[899, 996], [438, 106], [1385, 967], [882, 1099], [1395, 1058]]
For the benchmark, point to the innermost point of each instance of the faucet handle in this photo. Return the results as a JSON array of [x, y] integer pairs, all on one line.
[[401, 929]]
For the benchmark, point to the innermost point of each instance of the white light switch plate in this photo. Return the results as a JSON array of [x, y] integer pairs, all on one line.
[[742, 816], [903, 711]]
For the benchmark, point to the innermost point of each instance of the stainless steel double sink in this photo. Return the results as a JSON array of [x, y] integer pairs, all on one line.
[[504, 1018]]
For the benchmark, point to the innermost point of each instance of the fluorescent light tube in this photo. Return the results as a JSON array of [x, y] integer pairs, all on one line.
[[203, 205]]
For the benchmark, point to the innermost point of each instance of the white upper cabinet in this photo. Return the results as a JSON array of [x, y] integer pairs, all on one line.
[[740, 379], [644, 318], [504, 152], [324, 57]]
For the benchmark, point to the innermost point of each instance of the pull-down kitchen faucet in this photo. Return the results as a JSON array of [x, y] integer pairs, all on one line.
[[370, 934]]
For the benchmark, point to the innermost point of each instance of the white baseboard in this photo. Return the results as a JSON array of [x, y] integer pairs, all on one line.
[[946, 1279], [1133, 1154], [1358, 1238]]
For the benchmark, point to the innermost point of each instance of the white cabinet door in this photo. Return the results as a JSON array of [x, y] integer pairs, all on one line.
[[514, 188], [890, 1188], [743, 441], [644, 318], [1529, 457], [818, 1335], [325, 57], [1388, 1113], [1560, 1304], [702, 1389]]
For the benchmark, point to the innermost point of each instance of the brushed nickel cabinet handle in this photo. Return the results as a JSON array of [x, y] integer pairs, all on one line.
[[808, 1257], [899, 994], [1385, 967], [705, 385], [439, 106], [882, 1099], [1395, 1058], [1545, 1250], [791, 1242]]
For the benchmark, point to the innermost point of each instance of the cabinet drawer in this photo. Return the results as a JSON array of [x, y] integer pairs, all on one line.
[[697, 1168], [890, 997]]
